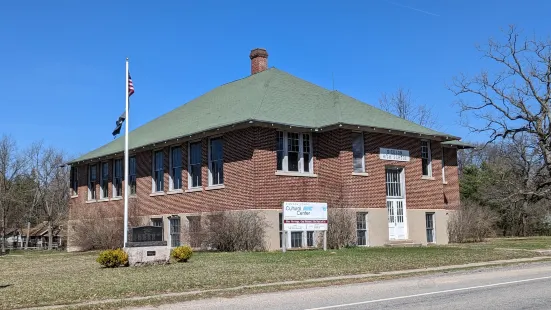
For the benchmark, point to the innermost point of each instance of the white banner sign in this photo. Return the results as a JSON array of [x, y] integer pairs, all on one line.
[[394, 154], [304, 216]]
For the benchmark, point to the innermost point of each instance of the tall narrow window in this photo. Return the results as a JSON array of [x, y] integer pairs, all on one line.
[[429, 217], [296, 239], [74, 181], [443, 166], [195, 158], [294, 152], [216, 162], [358, 152], [117, 178], [104, 180], [132, 175], [280, 150], [309, 238], [175, 231], [361, 228], [92, 181], [176, 168], [425, 158], [306, 153], [158, 171]]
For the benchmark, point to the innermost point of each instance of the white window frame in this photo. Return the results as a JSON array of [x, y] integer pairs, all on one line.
[[433, 228], [366, 229], [114, 183], [189, 179], [285, 167], [210, 161], [429, 159], [170, 167], [95, 182], [360, 136], [153, 175], [103, 195]]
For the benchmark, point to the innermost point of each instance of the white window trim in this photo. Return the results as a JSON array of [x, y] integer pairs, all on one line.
[[363, 154], [170, 172], [433, 214], [366, 218], [284, 165], [189, 180], [429, 153], [89, 181], [113, 183], [103, 195], [213, 186], [153, 180]]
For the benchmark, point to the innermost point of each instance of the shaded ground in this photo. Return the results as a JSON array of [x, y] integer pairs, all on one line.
[[42, 278]]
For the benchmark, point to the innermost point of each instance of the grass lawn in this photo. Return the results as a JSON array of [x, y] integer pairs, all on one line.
[[41, 278]]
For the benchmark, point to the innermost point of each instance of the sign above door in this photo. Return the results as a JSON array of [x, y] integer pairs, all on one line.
[[393, 154]]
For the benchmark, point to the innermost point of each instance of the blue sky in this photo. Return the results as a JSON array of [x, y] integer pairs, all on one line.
[[62, 62]]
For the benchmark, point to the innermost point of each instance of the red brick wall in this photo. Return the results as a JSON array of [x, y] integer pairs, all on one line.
[[250, 180], [451, 189]]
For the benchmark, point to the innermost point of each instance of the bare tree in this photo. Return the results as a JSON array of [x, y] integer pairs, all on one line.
[[51, 180], [402, 105], [514, 100], [11, 166]]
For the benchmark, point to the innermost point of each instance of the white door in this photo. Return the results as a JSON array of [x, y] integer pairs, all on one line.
[[396, 203]]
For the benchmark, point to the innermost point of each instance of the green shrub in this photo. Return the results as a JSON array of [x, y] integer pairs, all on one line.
[[181, 253], [113, 258]]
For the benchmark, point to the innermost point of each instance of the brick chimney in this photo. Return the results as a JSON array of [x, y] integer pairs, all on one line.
[[259, 60]]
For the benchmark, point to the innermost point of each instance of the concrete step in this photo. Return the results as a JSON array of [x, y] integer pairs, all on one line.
[[402, 243]]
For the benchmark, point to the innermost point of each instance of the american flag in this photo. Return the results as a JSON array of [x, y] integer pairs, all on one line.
[[130, 86]]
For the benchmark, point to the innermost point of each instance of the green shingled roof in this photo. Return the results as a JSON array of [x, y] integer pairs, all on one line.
[[271, 96]]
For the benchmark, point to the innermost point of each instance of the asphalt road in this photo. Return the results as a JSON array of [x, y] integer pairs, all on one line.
[[515, 287]]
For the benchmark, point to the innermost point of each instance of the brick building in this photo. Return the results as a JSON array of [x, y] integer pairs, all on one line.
[[272, 137]]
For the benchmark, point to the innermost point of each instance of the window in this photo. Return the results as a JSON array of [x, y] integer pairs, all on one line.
[[358, 152], [310, 238], [443, 166], [174, 231], [394, 182], [132, 175], [74, 181], [117, 178], [92, 181], [158, 172], [104, 180], [294, 152], [216, 162], [429, 217], [195, 159], [194, 231], [425, 158], [175, 168], [296, 239], [361, 228], [157, 222], [281, 230]]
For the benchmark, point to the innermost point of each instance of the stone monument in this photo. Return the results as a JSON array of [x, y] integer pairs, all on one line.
[[147, 246]]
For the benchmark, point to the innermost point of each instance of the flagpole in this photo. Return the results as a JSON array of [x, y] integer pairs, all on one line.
[[126, 179]]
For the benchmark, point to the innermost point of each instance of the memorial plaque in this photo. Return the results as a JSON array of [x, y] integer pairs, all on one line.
[[147, 234], [150, 253]]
